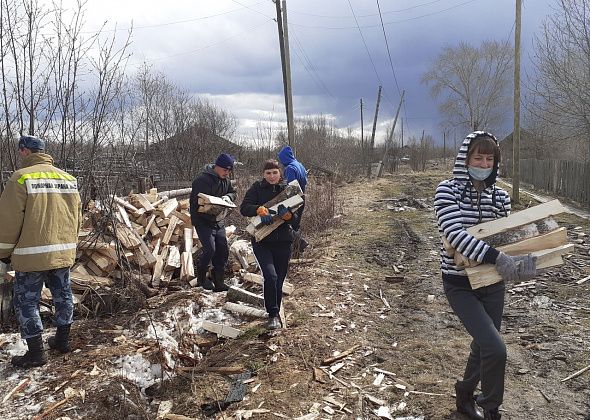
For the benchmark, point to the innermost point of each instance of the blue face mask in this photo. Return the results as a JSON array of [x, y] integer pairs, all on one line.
[[479, 174]]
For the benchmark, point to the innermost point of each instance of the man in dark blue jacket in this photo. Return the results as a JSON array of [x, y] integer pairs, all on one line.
[[295, 170], [213, 181]]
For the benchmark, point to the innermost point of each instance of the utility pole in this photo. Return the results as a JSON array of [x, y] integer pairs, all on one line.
[[516, 132], [362, 129], [284, 47], [444, 147], [370, 151], [402, 134], [390, 138]]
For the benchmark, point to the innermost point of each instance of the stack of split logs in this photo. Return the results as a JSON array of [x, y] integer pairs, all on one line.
[[152, 232], [532, 231]]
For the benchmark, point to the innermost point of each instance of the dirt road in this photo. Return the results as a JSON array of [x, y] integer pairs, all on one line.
[[373, 287]]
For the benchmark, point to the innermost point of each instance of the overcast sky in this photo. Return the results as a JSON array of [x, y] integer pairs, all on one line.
[[227, 50]]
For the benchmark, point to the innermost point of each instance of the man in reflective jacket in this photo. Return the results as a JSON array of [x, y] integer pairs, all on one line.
[[40, 215]]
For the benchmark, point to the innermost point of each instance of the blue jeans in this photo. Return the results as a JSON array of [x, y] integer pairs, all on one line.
[[215, 249], [273, 259], [27, 294]]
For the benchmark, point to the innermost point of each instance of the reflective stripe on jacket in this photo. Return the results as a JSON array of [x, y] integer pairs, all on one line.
[[40, 215]]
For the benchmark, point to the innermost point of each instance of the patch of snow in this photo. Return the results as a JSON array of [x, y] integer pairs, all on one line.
[[139, 370]]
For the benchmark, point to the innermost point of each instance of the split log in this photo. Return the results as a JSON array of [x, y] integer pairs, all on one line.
[[235, 294], [342, 355], [552, 239], [173, 261], [125, 204], [170, 230], [140, 200], [205, 199], [159, 267], [168, 207], [523, 217], [520, 233], [259, 280], [124, 216], [486, 274], [244, 310], [175, 193], [128, 239], [292, 202]]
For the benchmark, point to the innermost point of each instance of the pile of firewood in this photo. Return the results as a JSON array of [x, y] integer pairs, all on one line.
[[149, 233]]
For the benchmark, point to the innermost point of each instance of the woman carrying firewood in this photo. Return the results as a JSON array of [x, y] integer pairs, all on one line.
[[471, 197], [273, 251]]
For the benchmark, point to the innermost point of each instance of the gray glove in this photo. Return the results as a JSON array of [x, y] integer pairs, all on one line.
[[527, 269], [506, 267], [227, 199]]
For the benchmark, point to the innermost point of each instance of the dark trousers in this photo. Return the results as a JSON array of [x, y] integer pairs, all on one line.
[[215, 248], [273, 259], [27, 294], [480, 311], [297, 222]]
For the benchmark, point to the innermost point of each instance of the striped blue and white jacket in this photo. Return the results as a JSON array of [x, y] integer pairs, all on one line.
[[459, 206]]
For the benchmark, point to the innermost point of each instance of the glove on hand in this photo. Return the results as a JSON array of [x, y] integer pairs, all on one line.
[[527, 269], [266, 219], [262, 211], [506, 267], [284, 212], [227, 199]]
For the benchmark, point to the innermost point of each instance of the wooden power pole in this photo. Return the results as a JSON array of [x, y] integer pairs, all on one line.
[[516, 132], [390, 138], [362, 129], [285, 61], [372, 144]]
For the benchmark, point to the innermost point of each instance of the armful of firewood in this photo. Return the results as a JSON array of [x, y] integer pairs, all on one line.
[[460, 259]]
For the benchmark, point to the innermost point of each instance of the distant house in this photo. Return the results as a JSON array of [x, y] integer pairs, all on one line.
[[183, 156]]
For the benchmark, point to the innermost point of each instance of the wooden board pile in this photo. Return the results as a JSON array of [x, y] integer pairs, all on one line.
[[531, 231]]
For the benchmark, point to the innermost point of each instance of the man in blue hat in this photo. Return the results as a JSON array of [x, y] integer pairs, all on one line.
[[40, 215], [213, 181]]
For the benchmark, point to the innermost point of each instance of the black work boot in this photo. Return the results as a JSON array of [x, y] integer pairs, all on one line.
[[220, 286], [274, 323], [466, 403], [492, 414], [60, 341], [202, 279], [34, 357]]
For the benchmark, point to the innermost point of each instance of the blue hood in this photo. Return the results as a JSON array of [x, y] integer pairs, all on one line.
[[286, 155]]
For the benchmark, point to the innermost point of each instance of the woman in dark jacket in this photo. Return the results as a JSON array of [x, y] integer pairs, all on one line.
[[274, 251]]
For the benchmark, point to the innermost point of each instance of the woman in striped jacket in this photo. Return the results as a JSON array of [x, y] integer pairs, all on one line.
[[469, 198]]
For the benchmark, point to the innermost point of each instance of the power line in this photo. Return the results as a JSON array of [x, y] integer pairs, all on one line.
[[388, 52], [386, 23], [310, 68], [251, 29], [364, 42], [371, 14], [176, 22]]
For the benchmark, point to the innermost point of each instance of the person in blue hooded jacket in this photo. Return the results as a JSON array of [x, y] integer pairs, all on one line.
[[469, 198], [293, 170]]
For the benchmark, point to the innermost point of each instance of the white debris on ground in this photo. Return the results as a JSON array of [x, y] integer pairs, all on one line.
[[185, 318]]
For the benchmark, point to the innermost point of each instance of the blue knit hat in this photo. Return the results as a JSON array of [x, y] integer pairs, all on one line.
[[225, 161], [31, 142]]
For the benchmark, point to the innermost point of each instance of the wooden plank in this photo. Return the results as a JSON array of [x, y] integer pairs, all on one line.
[[259, 280], [486, 274], [125, 204], [538, 243], [219, 329], [520, 218]]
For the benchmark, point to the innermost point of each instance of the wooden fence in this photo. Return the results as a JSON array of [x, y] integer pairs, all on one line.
[[563, 178]]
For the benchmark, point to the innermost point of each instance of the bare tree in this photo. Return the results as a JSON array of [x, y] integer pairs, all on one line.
[[561, 92], [473, 83]]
